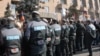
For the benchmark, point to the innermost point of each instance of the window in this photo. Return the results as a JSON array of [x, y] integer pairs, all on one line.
[[90, 4], [44, 0], [46, 9], [96, 4], [81, 3], [84, 3], [74, 2], [63, 1]]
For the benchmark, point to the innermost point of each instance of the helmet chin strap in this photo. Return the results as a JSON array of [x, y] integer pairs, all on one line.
[[37, 19]]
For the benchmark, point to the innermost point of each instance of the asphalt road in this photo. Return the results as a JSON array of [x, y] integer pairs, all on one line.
[[96, 52], [86, 54]]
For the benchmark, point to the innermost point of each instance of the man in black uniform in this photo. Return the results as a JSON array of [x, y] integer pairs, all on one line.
[[72, 35], [57, 31], [1, 41], [65, 38], [50, 40], [36, 33], [11, 38], [79, 35]]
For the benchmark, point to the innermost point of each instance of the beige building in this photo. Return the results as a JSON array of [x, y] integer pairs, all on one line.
[[3, 5], [54, 7], [57, 8]]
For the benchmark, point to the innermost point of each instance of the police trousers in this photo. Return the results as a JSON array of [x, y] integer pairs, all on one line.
[[79, 42], [56, 50], [50, 50], [71, 45], [64, 48], [37, 50]]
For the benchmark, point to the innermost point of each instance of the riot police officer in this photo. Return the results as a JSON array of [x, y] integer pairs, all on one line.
[[72, 35], [57, 31], [36, 33], [11, 38], [65, 37], [50, 40], [2, 24], [79, 35], [1, 46]]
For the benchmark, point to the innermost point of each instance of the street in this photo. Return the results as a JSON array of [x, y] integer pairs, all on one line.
[[86, 54], [96, 52]]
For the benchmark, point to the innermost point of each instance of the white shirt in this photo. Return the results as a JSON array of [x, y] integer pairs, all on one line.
[[92, 26]]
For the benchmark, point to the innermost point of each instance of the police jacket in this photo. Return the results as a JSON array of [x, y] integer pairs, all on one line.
[[80, 29], [51, 34], [72, 30], [57, 32], [36, 30], [11, 36], [65, 31], [36, 33]]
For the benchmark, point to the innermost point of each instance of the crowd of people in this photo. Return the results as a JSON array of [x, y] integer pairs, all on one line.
[[47, 37]]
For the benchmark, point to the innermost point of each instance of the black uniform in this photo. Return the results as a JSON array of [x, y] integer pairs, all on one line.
[[12, 39], [79, 36], [72, 39], [50, 43], [36, 34], [57, 32], [1, 43], [64, 40]]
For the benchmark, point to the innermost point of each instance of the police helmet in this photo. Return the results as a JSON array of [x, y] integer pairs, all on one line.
[[11, 18], [35, 12]]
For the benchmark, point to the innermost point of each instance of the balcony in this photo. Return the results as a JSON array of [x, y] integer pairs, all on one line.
[[48, 15], [59, 6]]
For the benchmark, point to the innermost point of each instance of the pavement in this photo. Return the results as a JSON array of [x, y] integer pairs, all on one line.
[[96, 52], [86, 54]]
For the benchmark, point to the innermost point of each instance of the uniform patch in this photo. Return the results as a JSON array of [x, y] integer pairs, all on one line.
[[13, 37], [38, 28], [40, 42], [57, 29]]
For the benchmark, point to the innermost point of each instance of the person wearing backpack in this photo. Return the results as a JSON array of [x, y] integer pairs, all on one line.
[[89, 36]]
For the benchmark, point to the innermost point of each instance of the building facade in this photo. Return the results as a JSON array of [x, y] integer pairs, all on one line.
[[3, 5], [58, 8]]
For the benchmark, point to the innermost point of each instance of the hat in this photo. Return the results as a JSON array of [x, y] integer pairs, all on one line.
[[11, 18], [71, 20], [64, 19], [36, 12], [45, 20]]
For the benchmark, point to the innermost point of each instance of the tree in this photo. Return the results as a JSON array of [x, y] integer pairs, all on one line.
[[73, 11], [7, 12]]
